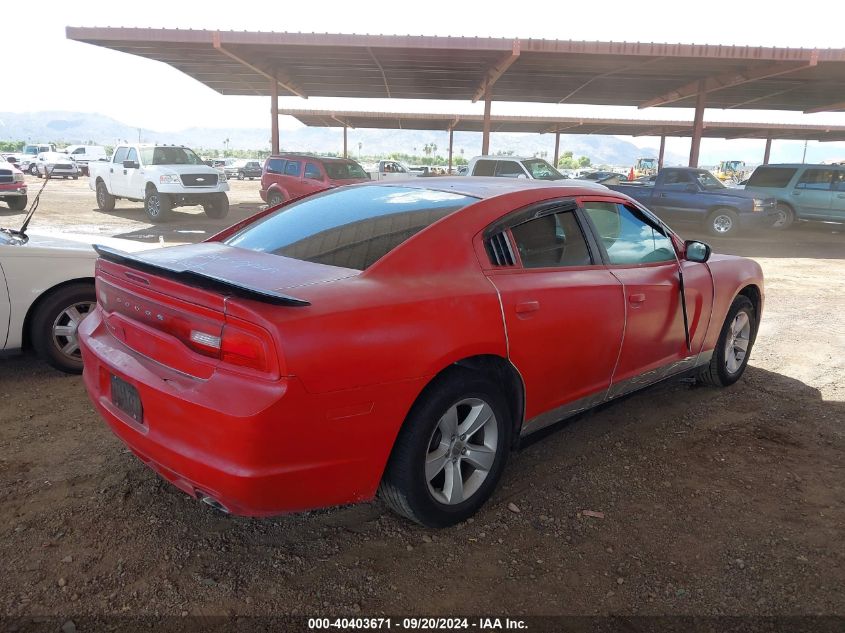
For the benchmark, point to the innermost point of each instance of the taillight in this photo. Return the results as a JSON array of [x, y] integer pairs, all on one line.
[[244, 349]]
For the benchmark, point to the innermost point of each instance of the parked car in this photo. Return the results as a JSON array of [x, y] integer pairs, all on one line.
[[12, 187], [401, 338], [13, 159], [243, 169], [46, 289], [163, 177], [513, 167], [56, 165], [801, 191], [294, 175], [604, 177], [689, 194], [84, 154], [29, 156], [391, 170]]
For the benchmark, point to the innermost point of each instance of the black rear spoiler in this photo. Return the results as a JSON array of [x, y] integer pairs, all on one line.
[[192, 277]]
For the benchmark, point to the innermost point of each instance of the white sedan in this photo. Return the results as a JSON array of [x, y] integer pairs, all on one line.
[[46, 289]]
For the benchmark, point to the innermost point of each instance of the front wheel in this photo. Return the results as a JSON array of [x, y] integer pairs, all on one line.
[[17, 204], [722, 223], [55, 323], [784, 217], [157, 205], [450, 452], [733, 348], [240, 176], [217, 206], [33, 170]]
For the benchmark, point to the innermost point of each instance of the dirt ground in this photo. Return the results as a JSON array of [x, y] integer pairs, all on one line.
[[714, 502]]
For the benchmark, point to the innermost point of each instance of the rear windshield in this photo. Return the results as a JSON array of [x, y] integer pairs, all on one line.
[[777, 177], [344, 171], [351, 227]]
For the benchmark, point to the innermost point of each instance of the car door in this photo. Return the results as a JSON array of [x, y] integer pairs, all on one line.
[[641, 255], [134, 176], [563, 310], [813, 192], [674, 196], [293, 178], [5, 308], [313, 178], [117, 174]]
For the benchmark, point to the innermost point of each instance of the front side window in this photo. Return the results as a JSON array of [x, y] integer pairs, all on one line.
[[120, 155], [627, 235], [349, 227], [509, 169], [708, 180], [551, 240], [775, 177], [541, 170], [292, 168], [132, 155], [820, 179], [313, 172]]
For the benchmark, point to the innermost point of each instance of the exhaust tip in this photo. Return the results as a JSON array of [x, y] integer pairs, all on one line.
[[214, 503]]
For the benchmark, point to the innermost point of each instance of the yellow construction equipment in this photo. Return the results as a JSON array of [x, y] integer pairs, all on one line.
[[645, 167], [731, 170]]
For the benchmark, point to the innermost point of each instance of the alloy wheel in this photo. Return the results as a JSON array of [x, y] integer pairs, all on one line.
[[736, 345], [65, 328]]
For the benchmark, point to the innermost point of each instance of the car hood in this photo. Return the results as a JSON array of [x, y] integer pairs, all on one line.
[[43, 243], [737, 193]]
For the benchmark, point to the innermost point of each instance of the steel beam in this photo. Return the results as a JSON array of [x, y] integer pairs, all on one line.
[[767, 152], [495, 71], [711, 84], [662, 152], [345, 145], [557, 149], [274, 116], [698, 124], [485, 132], [281, 79], [833, 107]]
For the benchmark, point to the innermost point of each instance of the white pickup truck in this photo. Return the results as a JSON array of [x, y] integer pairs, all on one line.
[[390, 169], [163, 177]]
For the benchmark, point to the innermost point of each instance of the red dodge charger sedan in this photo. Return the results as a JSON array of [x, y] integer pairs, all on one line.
[[400, 338]]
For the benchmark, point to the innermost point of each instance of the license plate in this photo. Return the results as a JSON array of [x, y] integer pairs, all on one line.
[[125, 397]]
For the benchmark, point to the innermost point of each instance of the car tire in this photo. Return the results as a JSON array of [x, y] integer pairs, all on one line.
[[53, 329], [17, 204], [729, 360], [240, 176], [722, 222], [33, 170], [784, 219], [275, 199], [217, 206], [157, 205], [76, 177], [105, 201], [413, 486]]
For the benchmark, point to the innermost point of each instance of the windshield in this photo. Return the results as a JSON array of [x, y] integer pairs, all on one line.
[[341, 170], [541, 170], [351, 227], [169, 156], [708, 180]]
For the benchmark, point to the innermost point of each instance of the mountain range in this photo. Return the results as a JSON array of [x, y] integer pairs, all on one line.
[[81, 127]]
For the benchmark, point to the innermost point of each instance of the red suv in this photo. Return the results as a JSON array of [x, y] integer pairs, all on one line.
[[290, 176]]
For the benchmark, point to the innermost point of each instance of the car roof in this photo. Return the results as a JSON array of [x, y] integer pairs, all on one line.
[[798, 165], [489, 186], [312, 157], [491, 157]]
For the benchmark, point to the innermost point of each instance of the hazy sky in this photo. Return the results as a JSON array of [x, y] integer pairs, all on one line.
[[57, 74]]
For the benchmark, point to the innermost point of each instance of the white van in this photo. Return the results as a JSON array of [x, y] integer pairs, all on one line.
[[83, 154]]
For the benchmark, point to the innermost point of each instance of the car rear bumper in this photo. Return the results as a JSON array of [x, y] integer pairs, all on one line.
[[257, 448]]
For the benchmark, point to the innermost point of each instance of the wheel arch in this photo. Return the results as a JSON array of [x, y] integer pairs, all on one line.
[[26, 334]]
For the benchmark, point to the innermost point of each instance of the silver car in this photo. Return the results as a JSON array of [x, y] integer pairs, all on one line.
[[56, 165]]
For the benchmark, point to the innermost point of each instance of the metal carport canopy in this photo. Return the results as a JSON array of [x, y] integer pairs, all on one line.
[[535, 70], [562, 125]]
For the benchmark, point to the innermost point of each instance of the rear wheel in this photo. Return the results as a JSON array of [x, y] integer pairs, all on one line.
[[275, 199], [723, 222], [733, 348], [450, 452], [33, 170], [217, 206], [55, 323], [157, 205], [784, 217], [105, 201]]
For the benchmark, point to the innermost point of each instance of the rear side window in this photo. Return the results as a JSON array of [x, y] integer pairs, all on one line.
[[292, 168], [816, 179], [551, 240], [628, 236], [349, 227], [276, 166], [509, 169], [775, 177], [484, 168]]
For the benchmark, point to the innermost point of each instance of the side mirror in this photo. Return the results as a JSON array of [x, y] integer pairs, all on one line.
[[697, 251], [130, 164], [691, 188]]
